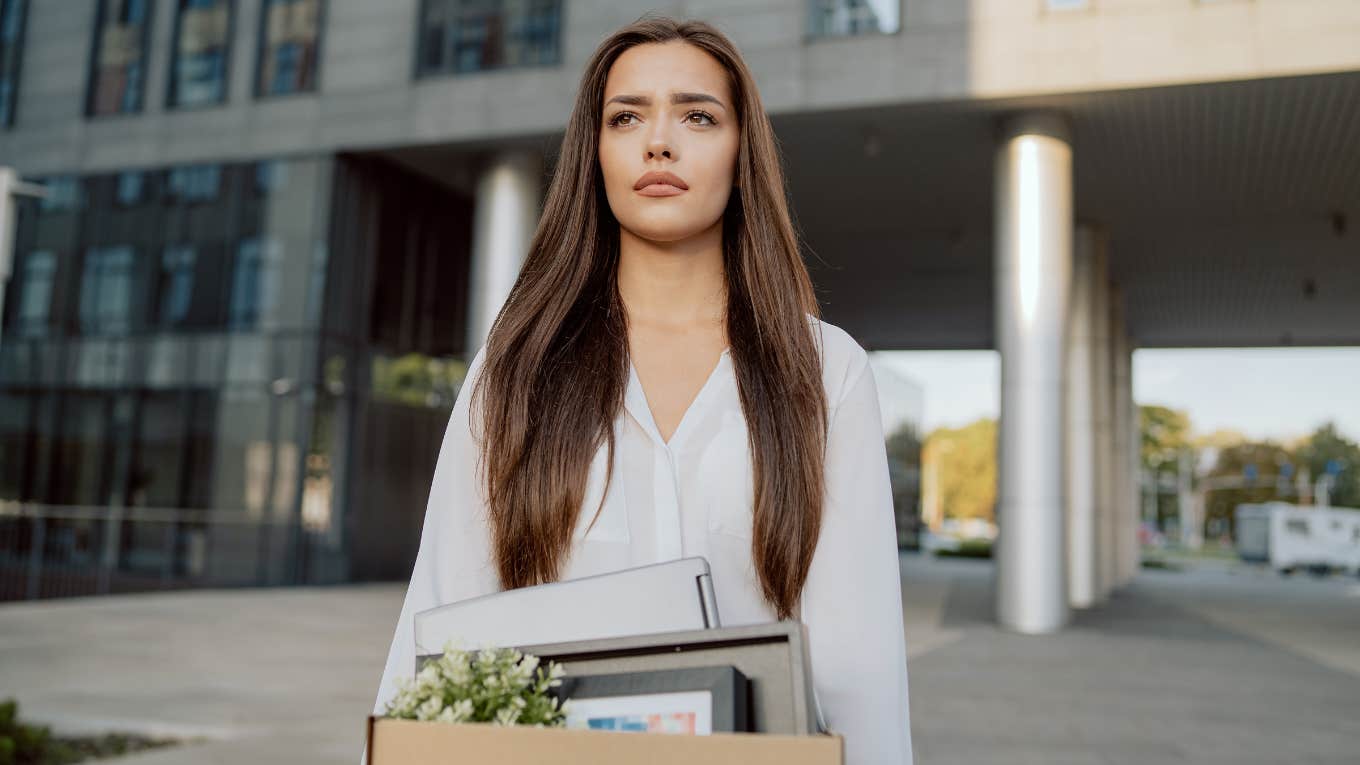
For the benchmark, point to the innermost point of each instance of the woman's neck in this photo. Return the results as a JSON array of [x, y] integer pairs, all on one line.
[[673, 286]]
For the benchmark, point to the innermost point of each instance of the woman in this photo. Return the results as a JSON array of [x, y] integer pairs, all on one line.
[[658, 385]]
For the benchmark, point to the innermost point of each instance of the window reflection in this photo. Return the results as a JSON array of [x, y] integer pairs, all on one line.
[[14, 444], [836, 18], [255, 283], [119, 61], [176, 285], [155, 480], [199, 73], [35, 295], [288, 47], [194, 183], [11, 55], [130, 188], [64, 192], [106, 291], [271, 176], [459, 36]]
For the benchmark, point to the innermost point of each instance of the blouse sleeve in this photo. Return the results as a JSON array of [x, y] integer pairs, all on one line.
[[852, 600], [453, 561]]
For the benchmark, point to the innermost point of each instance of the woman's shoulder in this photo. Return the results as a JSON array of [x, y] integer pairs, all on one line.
[[844, 360]]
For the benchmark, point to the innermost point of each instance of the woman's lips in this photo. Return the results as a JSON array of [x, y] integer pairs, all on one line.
[[660, 190]]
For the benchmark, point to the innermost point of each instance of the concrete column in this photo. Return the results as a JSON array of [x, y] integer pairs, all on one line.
[[1081, 423], [1124, 507], [1103, 399], [1133, 515], [504, 219], [1118, 447], [1033, 198]]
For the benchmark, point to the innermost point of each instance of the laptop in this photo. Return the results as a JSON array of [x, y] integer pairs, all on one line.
[[663, 597]]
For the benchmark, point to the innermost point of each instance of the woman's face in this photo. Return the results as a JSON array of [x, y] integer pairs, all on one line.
[[668, 108]]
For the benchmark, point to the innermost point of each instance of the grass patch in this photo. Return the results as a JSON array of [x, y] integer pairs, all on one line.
[[25, 744], [969, 548]]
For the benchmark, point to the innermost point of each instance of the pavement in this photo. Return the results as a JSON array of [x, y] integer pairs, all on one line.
[[1224, 665]]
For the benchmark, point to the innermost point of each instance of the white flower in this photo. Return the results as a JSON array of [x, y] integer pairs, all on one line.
[[430, 709], [503, 679]]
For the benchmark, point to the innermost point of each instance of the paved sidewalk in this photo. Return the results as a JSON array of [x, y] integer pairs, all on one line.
[[1233, 666]]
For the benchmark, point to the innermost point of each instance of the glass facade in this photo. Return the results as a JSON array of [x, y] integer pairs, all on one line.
[[841, 18], [460, 36], [290, 32], [202, 52], [11, 55], [224, 374], [118, 63]]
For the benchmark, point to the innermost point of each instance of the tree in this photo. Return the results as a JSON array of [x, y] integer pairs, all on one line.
[[904, 471], [1264, 459], [1326, 445], [1165, 433], [965, 468]]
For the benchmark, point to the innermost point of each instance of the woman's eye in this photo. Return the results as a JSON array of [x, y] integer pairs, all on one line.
[[624, 119]]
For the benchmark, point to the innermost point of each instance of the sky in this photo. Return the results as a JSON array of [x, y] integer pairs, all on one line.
[[1275, 393]]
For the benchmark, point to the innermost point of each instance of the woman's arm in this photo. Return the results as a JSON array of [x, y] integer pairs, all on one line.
[[852, 601], [453, 561]]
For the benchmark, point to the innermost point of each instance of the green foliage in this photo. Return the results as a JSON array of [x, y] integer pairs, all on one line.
[[965, 460], [1268, 457], [968, 548], [1326, 444], [1165, 433], [418, 380], [22, 744]]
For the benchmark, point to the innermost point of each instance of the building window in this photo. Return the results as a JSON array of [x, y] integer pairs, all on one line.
[[847, 18], [131, 188], [64, 193], [11, 55], [106, 291], [271, 176], [198, 70], [176, 285], [289, 32], [193, 183], [255, 283], [119, 62], [458, 36], [35, 298]]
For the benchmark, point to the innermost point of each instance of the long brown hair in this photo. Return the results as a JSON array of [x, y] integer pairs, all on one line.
[[556, 364]]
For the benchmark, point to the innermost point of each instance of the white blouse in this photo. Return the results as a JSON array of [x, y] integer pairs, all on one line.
[[693, 496]]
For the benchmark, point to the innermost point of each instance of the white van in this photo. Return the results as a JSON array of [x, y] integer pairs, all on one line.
[[1291, 537]]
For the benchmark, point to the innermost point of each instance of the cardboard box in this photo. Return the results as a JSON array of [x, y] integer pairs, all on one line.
[[408, 742]]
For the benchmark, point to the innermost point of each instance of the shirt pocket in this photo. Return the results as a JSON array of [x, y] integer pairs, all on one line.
[[612, 523], [727, 479]]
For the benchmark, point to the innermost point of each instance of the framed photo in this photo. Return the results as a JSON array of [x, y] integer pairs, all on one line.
[[694, 700]]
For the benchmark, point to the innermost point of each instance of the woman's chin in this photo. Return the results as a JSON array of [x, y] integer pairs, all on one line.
[[667, 231]]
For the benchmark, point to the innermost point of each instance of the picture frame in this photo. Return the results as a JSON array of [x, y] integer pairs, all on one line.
[[691, 700]]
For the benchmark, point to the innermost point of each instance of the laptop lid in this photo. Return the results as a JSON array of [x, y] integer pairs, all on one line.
[[662, 597]]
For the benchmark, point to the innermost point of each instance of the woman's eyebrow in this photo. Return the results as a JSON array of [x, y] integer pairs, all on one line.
[[676, 98]]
